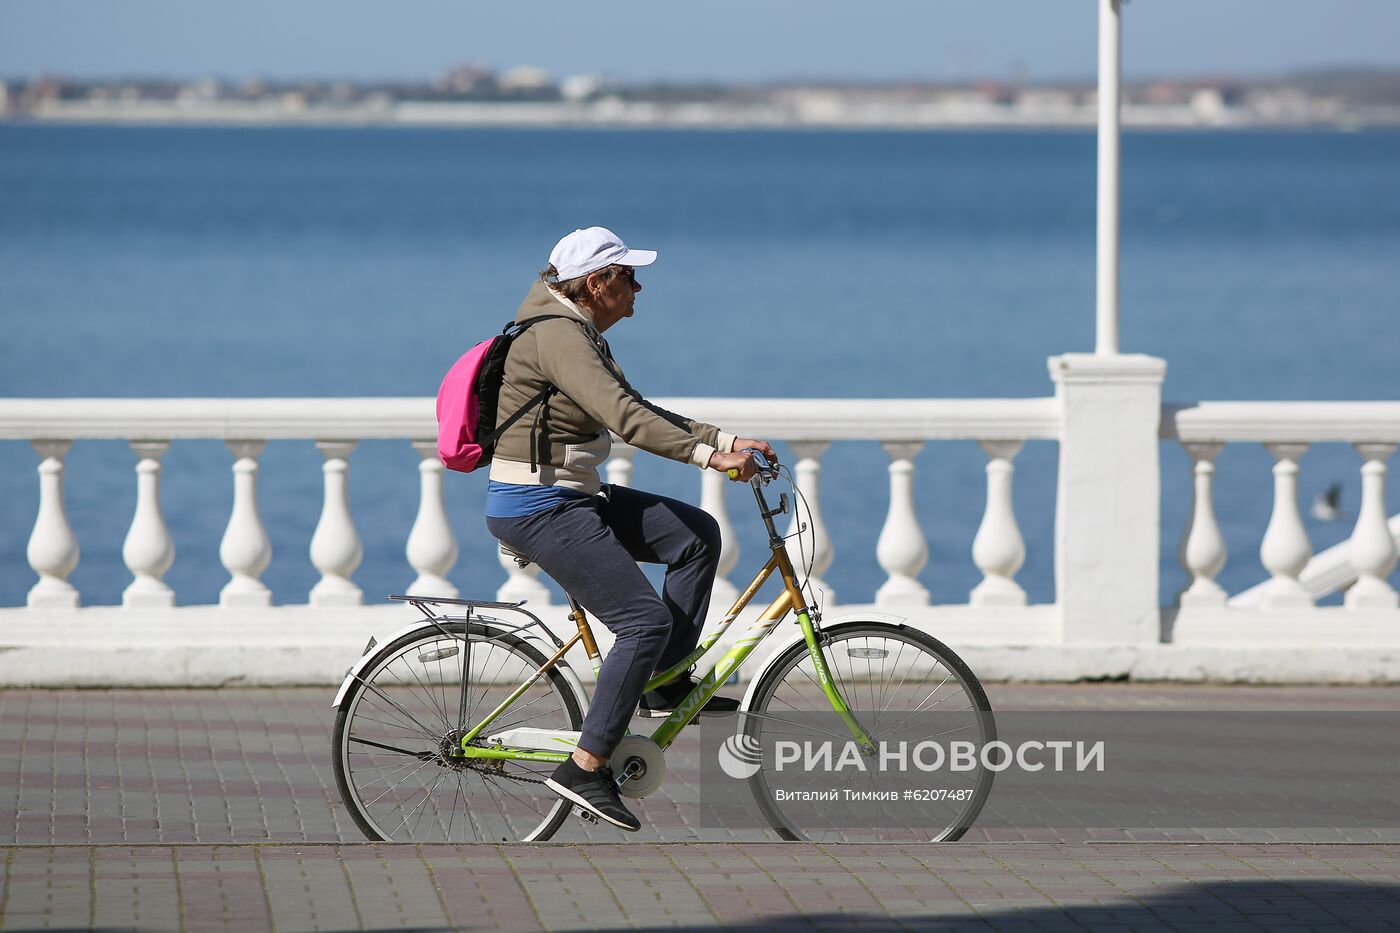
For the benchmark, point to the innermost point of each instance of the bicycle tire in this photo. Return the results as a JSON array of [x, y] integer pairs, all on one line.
[[790, 684], [401, 711]]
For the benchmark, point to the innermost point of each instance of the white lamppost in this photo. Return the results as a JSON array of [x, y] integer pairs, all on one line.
[[1110, 65]]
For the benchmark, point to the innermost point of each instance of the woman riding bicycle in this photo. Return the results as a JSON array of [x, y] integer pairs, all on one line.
[[545, 499]]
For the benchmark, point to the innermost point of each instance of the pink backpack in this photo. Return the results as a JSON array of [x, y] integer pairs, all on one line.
[[467, 399]]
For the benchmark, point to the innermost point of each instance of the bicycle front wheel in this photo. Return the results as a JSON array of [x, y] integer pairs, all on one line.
[[408, 710], [904, 688]]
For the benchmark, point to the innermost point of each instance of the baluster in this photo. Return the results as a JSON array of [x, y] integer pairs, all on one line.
[[712, 499], [902, 550], [53, 548], [335, 545], [998, 549], [522, 583], [1202, 551], [431, 548], [619, 464], [1372, 549], [1285, 550], [148, 550], [245, 550], [816, 544]]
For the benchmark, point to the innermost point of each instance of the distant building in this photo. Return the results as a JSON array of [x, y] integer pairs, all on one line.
[[527, 82], [468, 78]]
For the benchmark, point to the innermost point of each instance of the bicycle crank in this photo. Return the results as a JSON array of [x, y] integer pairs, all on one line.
[[640, 764]]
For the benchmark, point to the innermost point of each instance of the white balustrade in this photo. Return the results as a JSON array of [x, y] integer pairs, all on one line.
[[901, 549], [814, 543], [432, 547], [619, 464], [245, 550], [148, 549], [1285, 550], [713, 486], [999, 550], [335, 545], [53, 548], [1372, 549], [1202, 550]]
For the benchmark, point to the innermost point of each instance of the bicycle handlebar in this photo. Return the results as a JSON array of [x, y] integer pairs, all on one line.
[[765, 470]]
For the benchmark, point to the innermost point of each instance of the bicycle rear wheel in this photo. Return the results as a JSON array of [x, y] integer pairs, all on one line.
[[410, 707], [902, 686]]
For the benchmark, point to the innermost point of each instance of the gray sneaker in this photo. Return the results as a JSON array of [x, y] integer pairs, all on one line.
[[594, 791]]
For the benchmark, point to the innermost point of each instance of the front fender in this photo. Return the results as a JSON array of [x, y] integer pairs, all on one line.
[[566, 671], [794, 636]]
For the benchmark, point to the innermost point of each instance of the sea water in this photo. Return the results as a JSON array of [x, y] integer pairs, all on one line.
[[152, 262]]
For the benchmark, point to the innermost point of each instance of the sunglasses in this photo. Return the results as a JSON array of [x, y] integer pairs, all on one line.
[[628, 273]]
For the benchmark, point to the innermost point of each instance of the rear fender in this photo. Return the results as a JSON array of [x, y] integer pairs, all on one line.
[[362, 664]]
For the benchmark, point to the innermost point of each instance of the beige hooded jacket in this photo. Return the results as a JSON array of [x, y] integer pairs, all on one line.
[[572, 427]]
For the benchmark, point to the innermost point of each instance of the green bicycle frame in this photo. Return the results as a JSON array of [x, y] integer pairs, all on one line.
[[788, 600]]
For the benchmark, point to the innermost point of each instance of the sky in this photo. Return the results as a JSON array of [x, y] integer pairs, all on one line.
[[723, 40]]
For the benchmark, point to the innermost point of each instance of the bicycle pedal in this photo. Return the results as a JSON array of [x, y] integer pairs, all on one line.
[[584, 815]]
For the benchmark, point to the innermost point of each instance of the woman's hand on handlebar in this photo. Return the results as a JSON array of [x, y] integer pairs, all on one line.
[[740, 466], [763, 447]]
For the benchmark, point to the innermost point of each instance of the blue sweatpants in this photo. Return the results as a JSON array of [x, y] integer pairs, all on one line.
[[591, 547]]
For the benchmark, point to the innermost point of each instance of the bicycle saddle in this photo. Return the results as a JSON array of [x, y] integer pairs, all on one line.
[[515, 555]]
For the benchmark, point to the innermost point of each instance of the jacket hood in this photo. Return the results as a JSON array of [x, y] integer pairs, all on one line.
[[541, 300]]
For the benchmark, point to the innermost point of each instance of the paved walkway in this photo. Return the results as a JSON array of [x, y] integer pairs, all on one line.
[[217, 809]]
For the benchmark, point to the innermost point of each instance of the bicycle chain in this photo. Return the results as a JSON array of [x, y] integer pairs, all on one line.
[[492, 772]]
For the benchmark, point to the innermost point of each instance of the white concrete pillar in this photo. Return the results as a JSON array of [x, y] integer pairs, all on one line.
[[902, 550], [815, 546], [1108, 508], [53, 548], [245, 550], [713, 485], [1202, 551], [1371, 548], [148, 549], [1285, 550], [335, 546], [431, 547], [999, 550]]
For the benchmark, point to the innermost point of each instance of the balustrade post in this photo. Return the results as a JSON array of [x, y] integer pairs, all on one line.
[[1371, 548], [1108, 502], [619, 464], [998, 550], [148, 550], [431, 547], [815, 546], [335, 546], [53, 548], [245, 550], [1284, 550], [1202, 551], [712, 499], [902, 550]]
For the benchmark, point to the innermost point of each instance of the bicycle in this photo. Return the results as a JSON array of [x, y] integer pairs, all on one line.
[[447, 732]]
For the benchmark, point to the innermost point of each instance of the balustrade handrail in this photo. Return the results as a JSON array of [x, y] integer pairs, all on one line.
[[337, 425], [381, 418], [1281, 422]]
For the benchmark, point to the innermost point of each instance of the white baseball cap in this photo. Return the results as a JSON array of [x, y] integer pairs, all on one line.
[[592, 248]]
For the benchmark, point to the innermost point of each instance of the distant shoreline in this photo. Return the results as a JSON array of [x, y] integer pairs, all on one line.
[[617, 115]]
